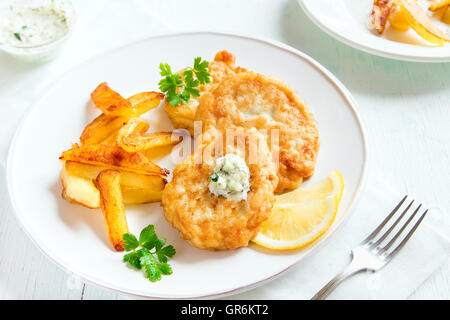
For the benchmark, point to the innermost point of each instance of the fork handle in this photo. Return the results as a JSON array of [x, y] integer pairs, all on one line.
[[348, 271]]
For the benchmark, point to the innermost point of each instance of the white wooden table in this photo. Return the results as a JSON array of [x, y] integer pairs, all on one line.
[[405, 106]]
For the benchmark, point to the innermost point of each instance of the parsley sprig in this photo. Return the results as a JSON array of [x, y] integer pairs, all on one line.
[[152, 256], [180, 88]]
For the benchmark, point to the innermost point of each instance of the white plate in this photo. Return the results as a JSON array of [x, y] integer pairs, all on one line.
[[75, 238], [347, 21]]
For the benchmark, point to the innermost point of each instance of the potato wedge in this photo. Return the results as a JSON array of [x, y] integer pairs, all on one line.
[[422, 23], [83, 191], [134, 125], [114, 157], [397, 18], [446, 16], [113, 104], [439, 4], [79, 190], [101, 128], [133, 196], [127, 178], [144, 101], [113, 209], [145, 141], [380, 13], [110, 102]]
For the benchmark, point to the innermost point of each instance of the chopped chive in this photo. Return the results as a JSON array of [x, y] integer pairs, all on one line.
[[17, 35], [214, 177]]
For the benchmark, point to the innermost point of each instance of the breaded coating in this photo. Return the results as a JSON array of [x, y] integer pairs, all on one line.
[[223, 66], [249, 99], [215, 222]]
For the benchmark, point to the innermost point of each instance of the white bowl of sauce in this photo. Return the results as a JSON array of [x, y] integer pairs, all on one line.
[[35, 30]]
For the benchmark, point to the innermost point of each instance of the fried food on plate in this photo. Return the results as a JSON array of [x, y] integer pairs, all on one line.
[[127, 178], [422, 23], [145, 141], [217, 222], [405, 14], [113, 209], [446, 16], [223, 66], [113, 104], [133, 126], [79, 186], [253, 100], [380, 13], [101, 128], [114, 157], [79, 190], [439, 4]]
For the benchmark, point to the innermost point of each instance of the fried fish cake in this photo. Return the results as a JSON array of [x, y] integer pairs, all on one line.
[[252, 100], [223, 66], [216, 222]]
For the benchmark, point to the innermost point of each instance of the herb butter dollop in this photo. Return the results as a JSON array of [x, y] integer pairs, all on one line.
[[230, 178]]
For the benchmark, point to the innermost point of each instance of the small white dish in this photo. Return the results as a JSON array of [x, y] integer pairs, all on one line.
[[75, 238], [44, 51], [348, 21]]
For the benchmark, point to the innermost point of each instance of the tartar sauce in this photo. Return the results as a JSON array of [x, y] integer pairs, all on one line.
[[33, 26], [230, 178]]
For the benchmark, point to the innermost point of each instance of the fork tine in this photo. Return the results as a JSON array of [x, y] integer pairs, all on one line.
[[387, 246], [375, 232], [391, 227], [410, 233]]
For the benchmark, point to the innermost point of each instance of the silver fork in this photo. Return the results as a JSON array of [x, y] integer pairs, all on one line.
[[371, 254]]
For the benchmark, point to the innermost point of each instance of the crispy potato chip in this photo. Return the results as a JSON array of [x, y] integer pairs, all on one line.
[[422, 23], [113, 209], [145, 141], [113, 157], [127, 178], [101, 128]]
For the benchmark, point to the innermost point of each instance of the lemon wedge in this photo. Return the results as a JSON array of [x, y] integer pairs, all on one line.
[[302, 216], [331, 185]]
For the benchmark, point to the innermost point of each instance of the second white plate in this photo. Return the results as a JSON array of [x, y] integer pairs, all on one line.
[[348, 21]]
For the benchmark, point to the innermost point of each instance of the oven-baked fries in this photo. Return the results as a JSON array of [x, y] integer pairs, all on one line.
[[113, 209], [83, 190], [113, 104], [114, 157], [101, 128], [145, 141], [405, 14], [106, 169]]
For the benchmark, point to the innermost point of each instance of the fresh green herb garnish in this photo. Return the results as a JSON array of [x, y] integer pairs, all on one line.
[[214, 177], [180, 88], [152, 256], [24, 27], [17, 35]]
